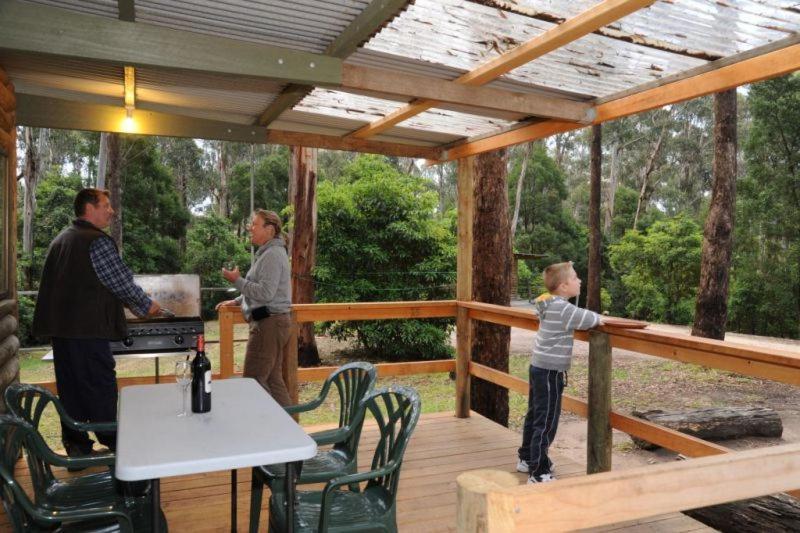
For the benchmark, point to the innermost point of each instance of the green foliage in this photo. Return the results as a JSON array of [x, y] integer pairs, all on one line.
[[270, 185], [26, 305], [524, 279], [765, 286], [209, 244], [545, 226], [153, 219], [378, 240], [659, 270]]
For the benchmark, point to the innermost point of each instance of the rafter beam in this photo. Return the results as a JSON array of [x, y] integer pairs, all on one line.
[[714, 78], [330, 142], [359, 79], [126, 10], [42, 29], [593, 18], [130, 88], [46, 112], [374, 16]]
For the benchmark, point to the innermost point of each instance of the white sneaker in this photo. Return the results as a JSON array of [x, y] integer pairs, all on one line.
[[544, 478], [522, 466]]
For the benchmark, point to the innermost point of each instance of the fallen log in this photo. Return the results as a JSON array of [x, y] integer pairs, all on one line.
[[778, 513], [719, 423]]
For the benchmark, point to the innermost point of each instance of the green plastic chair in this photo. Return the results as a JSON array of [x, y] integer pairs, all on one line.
[[353, 382], [29, 403], [56, 508], [396, 411]]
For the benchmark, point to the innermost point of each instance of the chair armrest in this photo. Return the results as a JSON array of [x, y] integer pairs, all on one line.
[[80, 515], [105, 459], [330, 436], [335, 483], [97, 426], [303, 407]]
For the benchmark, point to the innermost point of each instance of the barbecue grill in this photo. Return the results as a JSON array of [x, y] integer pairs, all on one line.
[[179, 294]]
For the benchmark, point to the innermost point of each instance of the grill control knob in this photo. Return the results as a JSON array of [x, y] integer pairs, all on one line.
[[178, 339], [128, 342]]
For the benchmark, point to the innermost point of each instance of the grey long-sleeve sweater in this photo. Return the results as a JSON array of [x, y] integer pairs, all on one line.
[[267, 281], [558, 319]]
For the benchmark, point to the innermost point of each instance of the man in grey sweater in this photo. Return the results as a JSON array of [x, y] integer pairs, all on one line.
[[266, 300], [552, 356]]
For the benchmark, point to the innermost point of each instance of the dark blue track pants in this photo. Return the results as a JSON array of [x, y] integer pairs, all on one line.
[[541, 420]]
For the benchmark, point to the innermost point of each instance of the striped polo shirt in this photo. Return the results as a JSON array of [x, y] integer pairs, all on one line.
[[558, 319]]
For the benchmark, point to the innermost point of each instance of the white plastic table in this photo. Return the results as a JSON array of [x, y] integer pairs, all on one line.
[[244, 428]]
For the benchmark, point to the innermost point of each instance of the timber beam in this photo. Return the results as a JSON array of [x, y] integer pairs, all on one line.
[[45, 112], [772, 60], [32, 28], [357, 78]]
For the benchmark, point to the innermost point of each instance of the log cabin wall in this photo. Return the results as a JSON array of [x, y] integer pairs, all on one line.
[[9, 343]]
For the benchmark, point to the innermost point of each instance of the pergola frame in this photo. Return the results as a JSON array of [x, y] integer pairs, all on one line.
[[37, 30], [29, 29]]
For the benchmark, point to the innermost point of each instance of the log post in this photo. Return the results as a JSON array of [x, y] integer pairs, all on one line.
[[598, 442], [595, 238], [466, 210], [226, 341], [471, 511], [290, 360]]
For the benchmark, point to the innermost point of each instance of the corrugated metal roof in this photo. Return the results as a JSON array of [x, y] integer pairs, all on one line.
[[436, 38], [308, 25], [103, 8], [712, 28], [468, 34], [368, 109]]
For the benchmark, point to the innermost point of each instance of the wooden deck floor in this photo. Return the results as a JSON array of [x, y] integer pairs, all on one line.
[[441, 448]]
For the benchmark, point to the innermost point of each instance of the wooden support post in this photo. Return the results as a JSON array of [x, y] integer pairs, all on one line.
[[466, 209], [290, 361], [471, 509], [595, 238], [598, 441], [226, 340]]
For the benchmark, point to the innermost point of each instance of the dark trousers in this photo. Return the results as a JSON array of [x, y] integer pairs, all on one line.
[[87, 386], [541, 420], [263, 359]]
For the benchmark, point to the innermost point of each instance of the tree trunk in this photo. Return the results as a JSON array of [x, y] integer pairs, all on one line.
[[721, 423], [30, 175], [711, 310], [304, 244], [777, 514], [222, 168], [647, 188], [611, 189], [518, 197], [491, 279], [595, 238], [108, 176]]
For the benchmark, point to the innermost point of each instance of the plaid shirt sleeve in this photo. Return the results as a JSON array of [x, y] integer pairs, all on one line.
[[117, 277]]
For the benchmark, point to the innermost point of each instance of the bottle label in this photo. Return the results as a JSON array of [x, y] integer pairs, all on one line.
[[208, 382]]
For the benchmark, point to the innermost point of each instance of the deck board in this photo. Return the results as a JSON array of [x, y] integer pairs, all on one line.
[[441, 448]]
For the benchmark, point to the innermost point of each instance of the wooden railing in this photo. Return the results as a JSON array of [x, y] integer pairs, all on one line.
[[509, 507]]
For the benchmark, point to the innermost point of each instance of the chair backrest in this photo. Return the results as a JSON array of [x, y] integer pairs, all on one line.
[[29, 403], [396, 410], [16, 434], [353, 382]]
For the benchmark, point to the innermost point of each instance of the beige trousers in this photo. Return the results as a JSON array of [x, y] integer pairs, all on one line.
[[263, 360]]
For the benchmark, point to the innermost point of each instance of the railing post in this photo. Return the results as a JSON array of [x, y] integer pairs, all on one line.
[[290, 361], [472, 509], [599, 440], [226, 341], [466, 209]]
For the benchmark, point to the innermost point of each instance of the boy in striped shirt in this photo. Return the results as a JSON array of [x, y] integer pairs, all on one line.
[[552, 355]]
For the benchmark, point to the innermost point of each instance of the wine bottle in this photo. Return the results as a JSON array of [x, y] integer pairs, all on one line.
[[201, 379]]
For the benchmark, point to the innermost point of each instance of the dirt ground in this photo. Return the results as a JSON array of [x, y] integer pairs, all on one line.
[[643, 382]]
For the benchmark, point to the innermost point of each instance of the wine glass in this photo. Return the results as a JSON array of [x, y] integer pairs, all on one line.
[[183, 376]]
